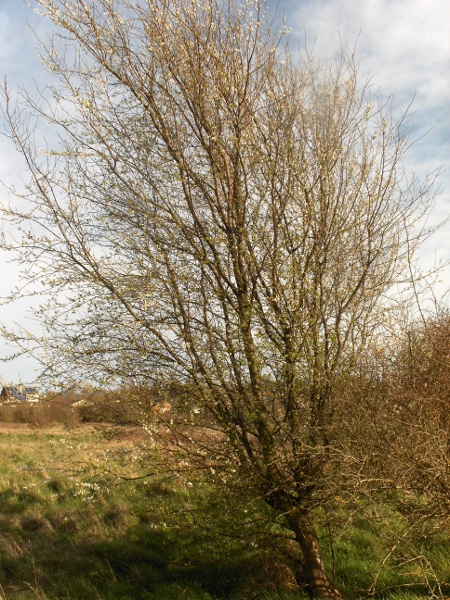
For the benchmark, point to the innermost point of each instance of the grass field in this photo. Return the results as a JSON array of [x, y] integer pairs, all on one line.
[[71, 530]]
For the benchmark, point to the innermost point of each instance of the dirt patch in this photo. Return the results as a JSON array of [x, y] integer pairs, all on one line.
[[117, 433], [6, 427]]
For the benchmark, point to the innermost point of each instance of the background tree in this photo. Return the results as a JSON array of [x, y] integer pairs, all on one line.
[[394, 433], [419, 387], [218, 215]]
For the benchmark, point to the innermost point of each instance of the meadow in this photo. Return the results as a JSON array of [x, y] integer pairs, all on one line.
[[79, 520]]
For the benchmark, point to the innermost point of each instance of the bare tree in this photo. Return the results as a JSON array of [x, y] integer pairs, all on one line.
[[420, 388], [221, 215]]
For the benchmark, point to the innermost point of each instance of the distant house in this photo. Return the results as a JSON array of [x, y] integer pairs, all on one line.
[[19, 393]]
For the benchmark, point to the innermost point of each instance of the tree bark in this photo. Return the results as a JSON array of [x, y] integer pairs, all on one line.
[[319, 584]]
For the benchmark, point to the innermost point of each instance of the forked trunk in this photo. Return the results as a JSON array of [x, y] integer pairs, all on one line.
[[319, 584]]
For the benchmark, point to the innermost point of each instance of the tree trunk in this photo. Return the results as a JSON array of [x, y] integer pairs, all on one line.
[[319, 585]]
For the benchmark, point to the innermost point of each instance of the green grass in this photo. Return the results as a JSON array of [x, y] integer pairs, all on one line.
[[70, 532]]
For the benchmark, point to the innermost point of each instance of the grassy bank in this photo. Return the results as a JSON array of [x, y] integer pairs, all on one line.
[[70, 530]]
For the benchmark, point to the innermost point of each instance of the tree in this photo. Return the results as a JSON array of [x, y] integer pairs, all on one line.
[[219, 215]]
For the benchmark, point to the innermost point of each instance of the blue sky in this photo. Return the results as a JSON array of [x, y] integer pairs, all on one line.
[[402, 44]]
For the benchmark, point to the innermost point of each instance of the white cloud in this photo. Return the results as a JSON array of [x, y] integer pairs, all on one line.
[[405, 47], [4, 47], [404, 44], [20, 63]]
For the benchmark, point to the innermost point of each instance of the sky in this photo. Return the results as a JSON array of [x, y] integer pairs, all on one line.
[[402, 45]]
